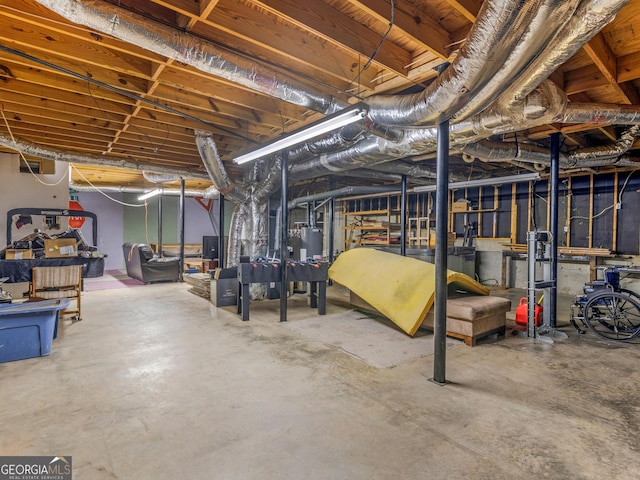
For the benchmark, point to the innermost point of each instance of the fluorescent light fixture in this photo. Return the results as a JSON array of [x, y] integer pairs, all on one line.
[[527, 177], [332, 122], [150, 194]]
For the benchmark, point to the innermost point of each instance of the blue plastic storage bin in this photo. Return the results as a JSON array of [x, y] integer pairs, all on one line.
[[26, 329]]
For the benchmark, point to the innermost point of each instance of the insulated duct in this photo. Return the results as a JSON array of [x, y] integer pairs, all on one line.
[[490, 41], [600, 113], [35, 150], [341, 192], [541, 107], [159, 178], [208, 193], [239, 218], [271, 183], [213, 163], [183, 47], [589, 18], [582, 158], [543, 27], [380, 176]]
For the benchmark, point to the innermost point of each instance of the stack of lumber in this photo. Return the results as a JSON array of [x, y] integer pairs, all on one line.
[[581, 251], [200, 284]]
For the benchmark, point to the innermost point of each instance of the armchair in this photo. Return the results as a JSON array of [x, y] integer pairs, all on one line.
[[142, 264]]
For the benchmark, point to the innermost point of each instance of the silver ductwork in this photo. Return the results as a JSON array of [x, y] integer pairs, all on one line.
[[600, 113], [590, 157], [271, 183], [489, 42], [341, 192], [213, 163], [159, 177], [590, 17], [239, 219], [377, 175], [541, 29], [208, 193], [35, 150], [581, 158], [183, 47]]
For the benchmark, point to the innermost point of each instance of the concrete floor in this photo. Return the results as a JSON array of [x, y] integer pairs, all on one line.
[[156, 383]]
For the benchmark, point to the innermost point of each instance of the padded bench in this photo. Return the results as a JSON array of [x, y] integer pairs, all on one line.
[[472, 317]]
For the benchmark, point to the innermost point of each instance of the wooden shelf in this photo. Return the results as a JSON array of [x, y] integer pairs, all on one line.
[[485, 210], [363, 227], [367, 212]]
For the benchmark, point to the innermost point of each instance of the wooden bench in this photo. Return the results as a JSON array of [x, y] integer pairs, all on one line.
[[472, 317]]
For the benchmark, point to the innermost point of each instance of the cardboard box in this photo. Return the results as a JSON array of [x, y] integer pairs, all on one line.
[[461, 205], [451, 238], [18, 254], [60, 248]]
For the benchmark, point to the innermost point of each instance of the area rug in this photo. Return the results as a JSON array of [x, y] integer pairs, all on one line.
[[111, 279], [375, 341]]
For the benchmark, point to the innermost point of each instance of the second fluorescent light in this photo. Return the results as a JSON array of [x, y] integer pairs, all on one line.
[[150, 194]]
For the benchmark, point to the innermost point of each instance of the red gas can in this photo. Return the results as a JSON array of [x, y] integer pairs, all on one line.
[[522, 312]]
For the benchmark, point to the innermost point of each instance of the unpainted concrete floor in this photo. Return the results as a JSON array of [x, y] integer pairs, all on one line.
[[157, 383]]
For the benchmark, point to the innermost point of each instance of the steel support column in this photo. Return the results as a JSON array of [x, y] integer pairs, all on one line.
[[442, 207], [181, 231], [403, 217], [284, 223], [553, 225], [159, 246], [221, 251]]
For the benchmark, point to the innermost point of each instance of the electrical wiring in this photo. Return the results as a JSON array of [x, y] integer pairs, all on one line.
[[377, 49], [610, 207], [6, 122], [103, 193]]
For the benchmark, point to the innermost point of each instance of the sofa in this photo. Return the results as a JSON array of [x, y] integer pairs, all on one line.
[[142, 264]]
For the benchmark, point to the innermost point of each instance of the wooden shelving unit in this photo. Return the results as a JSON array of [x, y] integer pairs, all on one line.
[[376, 221], [371, 220]]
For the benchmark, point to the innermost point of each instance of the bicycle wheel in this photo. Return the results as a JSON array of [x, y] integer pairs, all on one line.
[[613, 315]]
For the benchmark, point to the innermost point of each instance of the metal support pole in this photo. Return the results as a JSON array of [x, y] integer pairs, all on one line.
[[531, 282], [284, 223], [332, 224], [181, 232], [159, 247], [442, 207], [221, 251], [553, 226], [332, 232], [403, 217]]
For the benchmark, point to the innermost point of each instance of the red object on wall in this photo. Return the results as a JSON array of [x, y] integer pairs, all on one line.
[[75, 222]]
